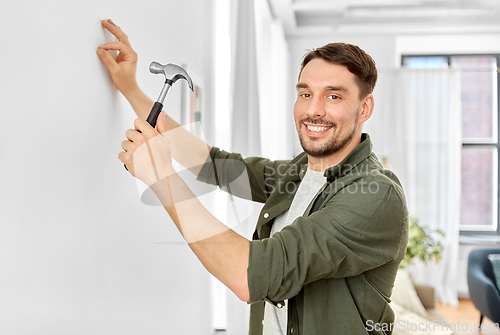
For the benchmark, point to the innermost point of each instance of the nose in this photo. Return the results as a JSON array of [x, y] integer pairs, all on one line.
[[316, 107]]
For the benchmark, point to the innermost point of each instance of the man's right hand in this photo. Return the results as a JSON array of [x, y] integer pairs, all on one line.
[[122, 73], [123, 70]]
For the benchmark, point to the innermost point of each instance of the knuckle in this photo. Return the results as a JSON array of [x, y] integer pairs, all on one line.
[[139, 140], [127, 158], [137, 123]]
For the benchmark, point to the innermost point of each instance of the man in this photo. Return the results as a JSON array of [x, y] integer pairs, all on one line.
[[333, 228]]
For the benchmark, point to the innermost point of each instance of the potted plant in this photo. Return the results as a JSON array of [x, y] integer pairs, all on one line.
[[423, 244]]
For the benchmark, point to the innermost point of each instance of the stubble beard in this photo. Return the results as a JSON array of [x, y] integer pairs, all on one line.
[[331, 147]]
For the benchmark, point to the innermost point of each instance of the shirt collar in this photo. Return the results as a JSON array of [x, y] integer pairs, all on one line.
[[354, 158]]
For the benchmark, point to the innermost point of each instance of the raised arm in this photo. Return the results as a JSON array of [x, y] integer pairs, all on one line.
[[222, 251], [187, 149]]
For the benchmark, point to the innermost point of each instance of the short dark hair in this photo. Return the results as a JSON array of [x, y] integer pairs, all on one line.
[[351, 56]]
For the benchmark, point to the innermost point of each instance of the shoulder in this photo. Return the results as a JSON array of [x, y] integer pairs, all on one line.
[[366, 187]]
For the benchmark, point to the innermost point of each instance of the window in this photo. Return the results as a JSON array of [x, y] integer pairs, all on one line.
[[480, 140]]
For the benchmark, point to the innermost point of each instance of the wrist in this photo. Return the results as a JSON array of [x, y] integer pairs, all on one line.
[[139, 101], [160, 174]]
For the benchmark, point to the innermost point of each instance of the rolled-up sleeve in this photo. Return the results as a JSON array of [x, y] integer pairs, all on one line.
[[355, 232], [251, 178]]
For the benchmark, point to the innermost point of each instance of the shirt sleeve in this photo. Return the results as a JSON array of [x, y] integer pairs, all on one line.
[[355, 232], [250, 178]]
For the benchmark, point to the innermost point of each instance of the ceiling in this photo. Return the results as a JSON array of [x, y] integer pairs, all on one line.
[[314, 17]]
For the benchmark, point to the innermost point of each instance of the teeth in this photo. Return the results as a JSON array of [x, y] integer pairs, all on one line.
[[316, 128]]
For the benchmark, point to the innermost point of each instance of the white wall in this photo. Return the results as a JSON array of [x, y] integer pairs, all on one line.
[[447, 44], [80, 253]]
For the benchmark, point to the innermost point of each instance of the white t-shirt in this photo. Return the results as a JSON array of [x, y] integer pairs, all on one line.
[[275, 318]]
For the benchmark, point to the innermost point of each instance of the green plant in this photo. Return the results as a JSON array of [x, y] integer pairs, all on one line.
[[423, 243]]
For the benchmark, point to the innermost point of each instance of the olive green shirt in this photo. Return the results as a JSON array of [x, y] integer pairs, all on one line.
[[337, 263]]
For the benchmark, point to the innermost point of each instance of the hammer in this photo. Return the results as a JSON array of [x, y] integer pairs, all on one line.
[[172, 73]]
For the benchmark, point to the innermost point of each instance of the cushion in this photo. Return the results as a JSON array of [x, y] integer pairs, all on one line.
[[404, 294], [408, 323], [495, 262]]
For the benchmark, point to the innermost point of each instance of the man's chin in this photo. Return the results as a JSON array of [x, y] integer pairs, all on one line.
[[318, 152], [322, 150]]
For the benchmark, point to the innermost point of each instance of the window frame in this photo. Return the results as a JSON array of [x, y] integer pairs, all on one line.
[[472, 232]]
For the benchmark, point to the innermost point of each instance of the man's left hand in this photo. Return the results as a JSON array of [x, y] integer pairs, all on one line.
[[147, 152]]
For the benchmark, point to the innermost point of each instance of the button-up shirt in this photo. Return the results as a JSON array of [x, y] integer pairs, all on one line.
[[337, 263]]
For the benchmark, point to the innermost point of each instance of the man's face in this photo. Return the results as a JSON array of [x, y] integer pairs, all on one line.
[[327, 108]]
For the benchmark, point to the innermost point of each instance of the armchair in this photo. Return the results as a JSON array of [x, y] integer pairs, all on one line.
[[482, 285]]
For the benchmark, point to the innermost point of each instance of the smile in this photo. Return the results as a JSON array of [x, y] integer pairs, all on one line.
[[317, 129]]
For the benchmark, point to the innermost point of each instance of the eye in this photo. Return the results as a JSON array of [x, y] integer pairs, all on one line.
[[333, 97], [305, 95]]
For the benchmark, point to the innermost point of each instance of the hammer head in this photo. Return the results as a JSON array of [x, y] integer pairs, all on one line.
[[172, 72]]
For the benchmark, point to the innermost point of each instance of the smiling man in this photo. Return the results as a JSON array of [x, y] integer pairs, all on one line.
[[333, 229], [331, 107]]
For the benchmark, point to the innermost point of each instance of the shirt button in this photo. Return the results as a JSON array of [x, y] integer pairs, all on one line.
[[280, 305], [266, 215]]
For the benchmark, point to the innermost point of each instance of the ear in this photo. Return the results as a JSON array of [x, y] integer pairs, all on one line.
[[366, 108]]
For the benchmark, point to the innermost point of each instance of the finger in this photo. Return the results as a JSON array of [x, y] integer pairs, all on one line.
[[145, 128], [128, 146], [160, 123], [115, 30], [126, 52], [111, 21], [120, 46], [134, 136], [125, 159], [107, 59]]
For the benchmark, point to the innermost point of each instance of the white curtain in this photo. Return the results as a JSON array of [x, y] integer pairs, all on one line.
[[274, 82], [417, 127], [261, 111], [244, 108]]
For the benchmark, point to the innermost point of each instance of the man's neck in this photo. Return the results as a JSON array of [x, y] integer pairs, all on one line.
[[323, 163]]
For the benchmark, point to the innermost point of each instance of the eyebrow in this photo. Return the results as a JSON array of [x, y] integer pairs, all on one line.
[[328, 88]]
